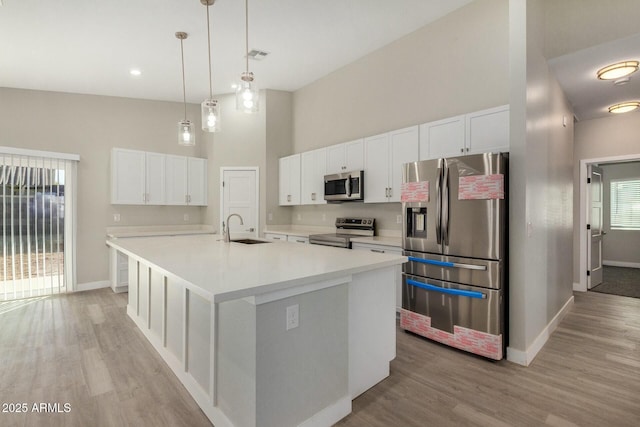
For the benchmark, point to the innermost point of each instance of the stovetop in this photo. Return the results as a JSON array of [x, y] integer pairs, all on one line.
[[346, 229]]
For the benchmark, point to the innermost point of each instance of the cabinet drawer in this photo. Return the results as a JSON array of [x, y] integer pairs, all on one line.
[[274, 236], [297, 239]]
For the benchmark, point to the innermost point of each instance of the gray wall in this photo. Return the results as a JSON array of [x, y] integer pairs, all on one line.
[[90, 126], [439, 71], [620, 247], [541, 184]]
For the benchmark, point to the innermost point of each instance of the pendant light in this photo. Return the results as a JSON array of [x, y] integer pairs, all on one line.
[[247, 94], [209, 107], [185, 127]]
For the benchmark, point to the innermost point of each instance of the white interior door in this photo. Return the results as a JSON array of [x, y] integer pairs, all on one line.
[[594, 245], [239, 195]]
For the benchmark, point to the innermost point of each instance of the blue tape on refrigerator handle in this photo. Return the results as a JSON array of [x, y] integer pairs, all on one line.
[[458, 292], [432, 262]]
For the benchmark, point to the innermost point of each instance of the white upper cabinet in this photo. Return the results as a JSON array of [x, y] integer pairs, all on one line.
[[289, 176], [384, 156], [488, 131], [154, 179], [479, 132], [345, 157], [176, 180], [137, 177], [197, 181], [313, 170], [442, 138], [186, 181]]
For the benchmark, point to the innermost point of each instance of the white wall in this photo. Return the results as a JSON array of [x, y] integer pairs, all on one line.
[[541, 222], [620, 247], [90, 126], [455, 65]]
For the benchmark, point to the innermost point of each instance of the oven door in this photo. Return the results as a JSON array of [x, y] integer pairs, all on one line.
[[344, 186]]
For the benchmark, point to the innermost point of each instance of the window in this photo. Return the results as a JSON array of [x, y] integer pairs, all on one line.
[[625, 204], [36, 223]]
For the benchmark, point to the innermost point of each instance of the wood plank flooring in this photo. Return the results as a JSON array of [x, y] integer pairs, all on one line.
[[83, 350]]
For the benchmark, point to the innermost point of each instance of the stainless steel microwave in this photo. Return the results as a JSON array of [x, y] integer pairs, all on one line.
[[345, 186]]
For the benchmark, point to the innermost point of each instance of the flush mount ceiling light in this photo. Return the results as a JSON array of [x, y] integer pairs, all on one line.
[[135, 72], [617, 70], [209, 107], [185, 127], [624, 107], [247, 94]]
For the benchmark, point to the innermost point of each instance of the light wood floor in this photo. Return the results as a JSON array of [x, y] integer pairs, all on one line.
[[82, 349]]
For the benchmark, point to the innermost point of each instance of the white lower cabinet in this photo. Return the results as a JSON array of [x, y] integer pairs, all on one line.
[[286, 238], [297, 239], [276, 236], [371, 247]]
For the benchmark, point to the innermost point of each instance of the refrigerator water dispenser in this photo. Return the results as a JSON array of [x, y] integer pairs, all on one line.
[[417, 222]]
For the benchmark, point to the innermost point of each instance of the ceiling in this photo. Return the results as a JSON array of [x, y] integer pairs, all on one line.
[[576, 73], [89, 46]]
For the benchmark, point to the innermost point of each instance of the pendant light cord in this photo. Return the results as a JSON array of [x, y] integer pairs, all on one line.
[[246, 31], [209, 46], [184, 89]]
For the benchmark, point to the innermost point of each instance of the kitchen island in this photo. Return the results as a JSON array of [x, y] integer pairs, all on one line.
[[274, 334]]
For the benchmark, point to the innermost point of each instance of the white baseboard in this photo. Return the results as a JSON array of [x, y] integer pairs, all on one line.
[[89, 286], [526, 357], [622, 264]]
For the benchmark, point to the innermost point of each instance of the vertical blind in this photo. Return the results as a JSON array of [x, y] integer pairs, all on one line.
[[625, 204], [36, 201]]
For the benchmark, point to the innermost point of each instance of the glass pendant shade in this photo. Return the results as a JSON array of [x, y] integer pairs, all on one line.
[[185, 133], [210, 115], [247, 97]]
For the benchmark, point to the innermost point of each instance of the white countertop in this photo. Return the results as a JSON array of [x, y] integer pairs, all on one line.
[[225, 271], [121, 232], [299, 230]]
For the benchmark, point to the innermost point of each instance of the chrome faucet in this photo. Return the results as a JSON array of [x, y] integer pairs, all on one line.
[[227, 238]]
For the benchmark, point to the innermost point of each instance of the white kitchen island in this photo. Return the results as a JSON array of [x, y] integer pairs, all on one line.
[[221, 316]]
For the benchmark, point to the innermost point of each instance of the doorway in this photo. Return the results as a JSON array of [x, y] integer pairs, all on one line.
[[240, 195], [610, 248]]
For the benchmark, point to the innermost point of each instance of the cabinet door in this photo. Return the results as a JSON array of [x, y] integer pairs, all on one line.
[[154, 179], [336, 159], [312, 171], [127, 177], [197, 181], [294, 179], [488, 131], [376, 168], [403, 149], [289, 177], [354, 155], [442, 138], [176, 180]]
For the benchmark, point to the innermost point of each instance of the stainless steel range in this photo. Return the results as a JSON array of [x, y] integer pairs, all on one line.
[[346, 229]]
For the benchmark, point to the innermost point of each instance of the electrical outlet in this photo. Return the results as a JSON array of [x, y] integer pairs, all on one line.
[[116, 217], [270, 216], [299, 217], [293, 316], [324, 217], [186, 217], [399, 219]]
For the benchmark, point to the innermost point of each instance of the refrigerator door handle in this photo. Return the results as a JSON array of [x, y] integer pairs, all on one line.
[[438, 207], [458, 292], [445, 205], [448, 264]]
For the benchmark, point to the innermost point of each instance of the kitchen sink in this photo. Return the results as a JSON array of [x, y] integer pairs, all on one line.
[[249, 241]]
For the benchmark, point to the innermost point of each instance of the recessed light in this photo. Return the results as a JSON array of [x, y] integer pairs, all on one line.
[[624, 107], [135, 72], [234, 86], [617, 70]]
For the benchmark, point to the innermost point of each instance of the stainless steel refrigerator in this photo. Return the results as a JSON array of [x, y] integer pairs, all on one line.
[[454, 285]]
